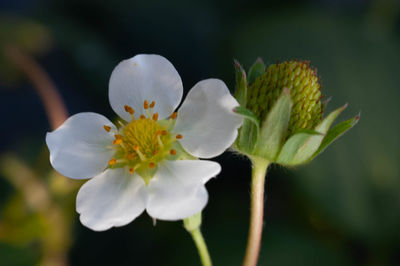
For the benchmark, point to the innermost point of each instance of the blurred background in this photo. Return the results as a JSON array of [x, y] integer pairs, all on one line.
[[341, 209]]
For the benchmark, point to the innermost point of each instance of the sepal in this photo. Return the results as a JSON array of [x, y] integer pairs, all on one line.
[[249, 132], [241, 84], [256, 70], [313, 143], [293, 144], [274, 127]]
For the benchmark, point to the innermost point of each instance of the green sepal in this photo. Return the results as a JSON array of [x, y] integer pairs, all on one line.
[[334, 133], [274, 127], [249, 132], [293, 144], [241, 84], [256, 70], [313, 143]]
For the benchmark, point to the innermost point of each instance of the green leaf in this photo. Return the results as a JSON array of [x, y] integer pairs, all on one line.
[[313, 143], [274, 127], [334, 133], [293, 144], [249, 132], [241, 84], [256, 70]]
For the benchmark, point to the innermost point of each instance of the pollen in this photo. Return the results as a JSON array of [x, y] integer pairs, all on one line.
[[172, 152], [107, 128], [142, 117], [153, 103], [112, 161], [117, 141], [155, 117], [146, 104], [179, 136], [129, 109]]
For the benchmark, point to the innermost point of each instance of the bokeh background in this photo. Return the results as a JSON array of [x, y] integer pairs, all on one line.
[[341, 209]]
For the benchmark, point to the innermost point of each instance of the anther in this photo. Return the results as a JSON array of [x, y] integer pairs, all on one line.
[[179, 136], [117, 141], [152, 165], [146, 104], [164, 132], [129, 109], [155, 152], [174, 115], [141, 156], [152, 104], [131, 171], [130, 156], [172, 152], [155, 117], [142, 117], [107, 128], [112, 161]]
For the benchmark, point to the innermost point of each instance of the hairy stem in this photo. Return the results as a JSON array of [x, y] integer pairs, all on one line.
[[256, 211]]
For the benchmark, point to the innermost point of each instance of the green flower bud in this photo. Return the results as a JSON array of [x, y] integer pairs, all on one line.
[[283, 109]]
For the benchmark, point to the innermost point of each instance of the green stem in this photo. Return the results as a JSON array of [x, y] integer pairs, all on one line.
[[192, 225], [201, 247], [256, 211]]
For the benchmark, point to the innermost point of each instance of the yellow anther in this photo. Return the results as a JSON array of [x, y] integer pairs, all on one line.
[[118, 136], [142, 117], [129, 109], [130, 156], [158, 133], [146, 104], [174, 115], [112, 161], [164, 132], [131, 171], [136, 148], [117, 141], [155, 117], [155, 152], [152, 165], [179, 136], [172, 152], [107, 128], [152, 104]]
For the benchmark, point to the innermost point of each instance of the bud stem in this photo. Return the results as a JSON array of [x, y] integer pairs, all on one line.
[[192, 225], [256, 210]]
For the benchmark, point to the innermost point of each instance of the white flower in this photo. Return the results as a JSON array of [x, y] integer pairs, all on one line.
[[147, 161]]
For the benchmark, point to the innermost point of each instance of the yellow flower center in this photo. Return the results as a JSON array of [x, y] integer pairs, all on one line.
[[142, 143]]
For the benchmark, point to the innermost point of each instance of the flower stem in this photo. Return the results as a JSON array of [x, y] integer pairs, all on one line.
[[256, 211], [192, 225]]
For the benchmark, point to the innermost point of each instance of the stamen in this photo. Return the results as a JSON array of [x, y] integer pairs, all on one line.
[[107, 128], [155, 117], [130, 156], [142, 116], [112, 161], [131, 171], [129, 109], [146, 104], [174, 115], [179, 136], [141, 155], [152, 165], [152, 104], [155, 152], [118, 136], [117, 141], [164, 132], [172, 152], [160, 143]]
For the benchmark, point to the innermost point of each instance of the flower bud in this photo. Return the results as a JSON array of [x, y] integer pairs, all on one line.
[[283, 110]]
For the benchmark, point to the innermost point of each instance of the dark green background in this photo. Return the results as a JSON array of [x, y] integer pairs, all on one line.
[[341, 209]]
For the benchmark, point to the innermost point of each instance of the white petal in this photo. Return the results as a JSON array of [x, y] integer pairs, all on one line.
[[145, 77], [113, 198], [206, 119], [177, 190], [78, 148]]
